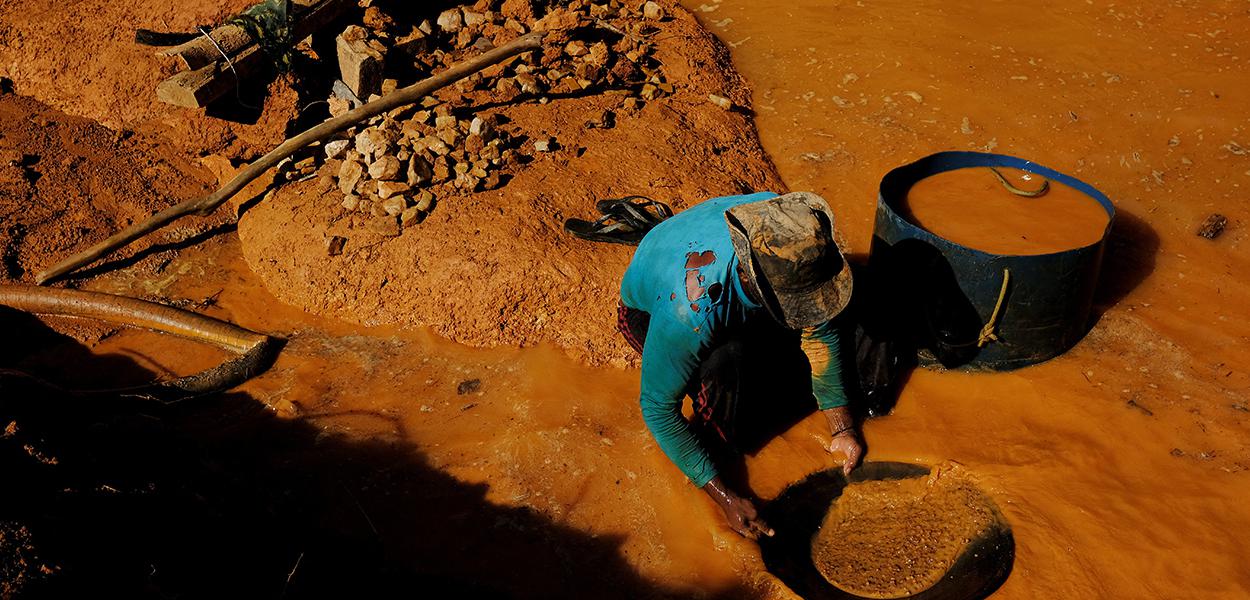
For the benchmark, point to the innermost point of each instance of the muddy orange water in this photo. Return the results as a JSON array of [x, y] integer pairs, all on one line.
[[972, 208], [1122, 466]]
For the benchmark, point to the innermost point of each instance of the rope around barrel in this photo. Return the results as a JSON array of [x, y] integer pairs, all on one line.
[[987, 332]]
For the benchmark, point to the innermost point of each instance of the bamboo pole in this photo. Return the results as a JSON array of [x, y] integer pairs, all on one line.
[[207, 204]]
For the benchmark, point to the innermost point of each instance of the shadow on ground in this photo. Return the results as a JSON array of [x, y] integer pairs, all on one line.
[[1130, 258], [217, 497]]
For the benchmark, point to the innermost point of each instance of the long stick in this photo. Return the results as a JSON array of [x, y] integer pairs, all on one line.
[[209, 203]]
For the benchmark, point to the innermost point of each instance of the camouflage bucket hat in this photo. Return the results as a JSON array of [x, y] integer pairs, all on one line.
[[786, 246]]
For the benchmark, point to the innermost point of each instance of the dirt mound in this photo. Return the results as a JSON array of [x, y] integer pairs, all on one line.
[[106, 77], [494, 267], [66, 182]]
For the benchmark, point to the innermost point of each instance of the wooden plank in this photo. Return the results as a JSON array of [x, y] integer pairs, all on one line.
[[198, 88]]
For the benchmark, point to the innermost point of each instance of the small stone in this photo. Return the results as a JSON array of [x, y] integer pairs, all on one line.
[[373, 142], [419, 172], [442, 169], [338, 106], [653, 11], [385, 168], [544, 145], [649, 92], [411, 216], [491, 152], [388, 189], [1213, 226], [576, 48], [451, 137], [492, 180], [473, 144], [482, 127], [334, 246], [445, 122], [528, 83], [389, 85], [515, 25], [350, 202], [384, 225], [472, 19], [417, 42], [451, 20], [305, 164], [424, 201], [599, 54], [437, 146], [631, 104], [394, 205], [360, 64], [721, 101], [349, 175], [337, 148]]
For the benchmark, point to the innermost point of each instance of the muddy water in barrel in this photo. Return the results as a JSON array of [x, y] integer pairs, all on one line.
[[971, 207]]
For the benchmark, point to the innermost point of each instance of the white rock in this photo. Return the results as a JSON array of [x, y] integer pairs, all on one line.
[[394, 205], [721, 101], [451, 20], [337, 148], [385, 167], [349, 175]]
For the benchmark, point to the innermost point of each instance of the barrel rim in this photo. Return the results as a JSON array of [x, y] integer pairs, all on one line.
[[903, 177]]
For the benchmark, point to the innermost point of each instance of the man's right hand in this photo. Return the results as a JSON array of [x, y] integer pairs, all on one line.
[[740, 513]]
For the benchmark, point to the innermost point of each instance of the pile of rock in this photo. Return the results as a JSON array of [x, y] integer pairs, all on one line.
[[622, 56], [394, 169], [397, 167]]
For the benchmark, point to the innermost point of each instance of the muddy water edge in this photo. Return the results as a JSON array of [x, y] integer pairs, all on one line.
[[1120, 465]]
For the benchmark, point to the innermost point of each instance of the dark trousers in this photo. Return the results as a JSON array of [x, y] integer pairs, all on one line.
[[749, 387]]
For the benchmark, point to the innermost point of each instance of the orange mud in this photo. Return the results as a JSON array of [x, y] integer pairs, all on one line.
[[1121, 466], [896, 538], [972, 208]]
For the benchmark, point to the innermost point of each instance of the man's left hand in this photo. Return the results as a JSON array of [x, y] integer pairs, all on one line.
[[847, 443], [845, 438]]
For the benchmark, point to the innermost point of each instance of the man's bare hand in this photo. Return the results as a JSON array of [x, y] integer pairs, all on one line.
[[845, 439], [740, 513], [847, 444]]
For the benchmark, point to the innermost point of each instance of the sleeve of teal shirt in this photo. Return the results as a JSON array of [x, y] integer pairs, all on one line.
[[669, 359], [821, 345]]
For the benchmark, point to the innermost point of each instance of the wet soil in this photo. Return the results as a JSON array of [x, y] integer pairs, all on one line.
[[1112, 461], [354, 462]]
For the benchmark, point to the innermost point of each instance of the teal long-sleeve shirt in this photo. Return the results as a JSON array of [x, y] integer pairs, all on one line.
[[684, 275]]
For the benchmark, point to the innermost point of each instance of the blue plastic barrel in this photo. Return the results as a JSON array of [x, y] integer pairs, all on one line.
[[942, 296]]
